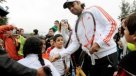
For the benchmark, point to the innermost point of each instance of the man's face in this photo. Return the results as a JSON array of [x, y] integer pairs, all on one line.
[[56, 23], [51, 32], [75, 8]]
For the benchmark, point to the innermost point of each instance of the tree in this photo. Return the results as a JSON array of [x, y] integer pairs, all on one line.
[[4, 20], [133, 7], [125, 9]]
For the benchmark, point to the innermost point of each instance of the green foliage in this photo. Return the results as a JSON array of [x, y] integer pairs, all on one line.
[[3, 21], [127, 8], [133, 7]]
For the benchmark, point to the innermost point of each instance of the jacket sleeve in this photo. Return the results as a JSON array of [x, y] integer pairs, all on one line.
[[109, 24], [73, 46], [4, 28], [14, 67]]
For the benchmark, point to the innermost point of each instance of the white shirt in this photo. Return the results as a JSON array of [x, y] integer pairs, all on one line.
[[32, 61], [105, 30], [58, 64], [124, 44]]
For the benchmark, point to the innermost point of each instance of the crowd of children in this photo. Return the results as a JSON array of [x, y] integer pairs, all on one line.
[[35, 51]]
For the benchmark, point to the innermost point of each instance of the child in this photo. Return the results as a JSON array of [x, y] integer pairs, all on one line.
[[127, 66], [32, 51], [61, 64], [47, 52]]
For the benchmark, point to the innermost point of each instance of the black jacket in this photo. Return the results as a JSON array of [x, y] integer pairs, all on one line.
[[9, 67], [129, 62]]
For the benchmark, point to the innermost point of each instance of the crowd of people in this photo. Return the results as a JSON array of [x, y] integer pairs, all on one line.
[[96, 46]]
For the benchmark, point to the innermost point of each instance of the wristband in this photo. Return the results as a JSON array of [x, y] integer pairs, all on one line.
[[59, 56]]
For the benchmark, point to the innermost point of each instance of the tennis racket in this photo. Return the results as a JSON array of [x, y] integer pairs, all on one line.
[[85, 29]]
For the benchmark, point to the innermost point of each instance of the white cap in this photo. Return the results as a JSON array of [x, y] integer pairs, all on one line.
[[65, 5]]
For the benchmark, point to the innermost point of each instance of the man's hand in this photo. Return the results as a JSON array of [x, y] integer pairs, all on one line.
[[95, 47], [54, 58], [40, 72]]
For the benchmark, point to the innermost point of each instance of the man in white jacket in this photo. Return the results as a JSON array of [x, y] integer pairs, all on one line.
[[103, 51]]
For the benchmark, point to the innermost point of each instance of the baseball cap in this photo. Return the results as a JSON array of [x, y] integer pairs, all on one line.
[[66, 4], [3, 12]]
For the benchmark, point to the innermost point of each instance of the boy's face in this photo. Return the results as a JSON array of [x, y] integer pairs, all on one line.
[[51, 42], [59, 42], [129, 38]]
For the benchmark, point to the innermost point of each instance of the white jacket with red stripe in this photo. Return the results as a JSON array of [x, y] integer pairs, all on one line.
[[105, 30]]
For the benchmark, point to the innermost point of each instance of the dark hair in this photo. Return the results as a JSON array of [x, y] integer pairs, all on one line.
[[130, 23], [56, 36], [57, 21], [122, 30], [66, 4], [122, 19], [83, 5], [52, 29], [33, 45], [35, 31]]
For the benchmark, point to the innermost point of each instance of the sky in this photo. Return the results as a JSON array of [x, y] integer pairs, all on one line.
[[41, 14]]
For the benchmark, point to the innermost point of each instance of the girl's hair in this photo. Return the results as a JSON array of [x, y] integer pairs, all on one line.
[[130, 23], [33, 45], [56, 36], [60, 25], [59, 28]]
